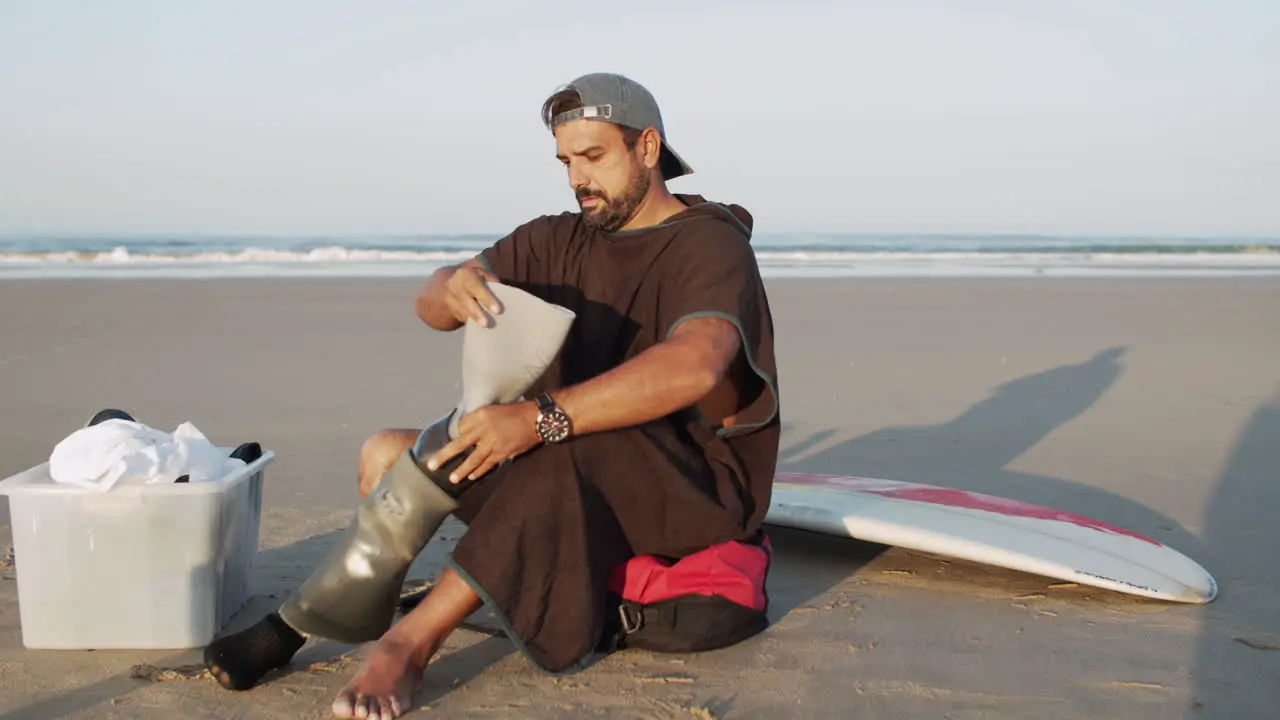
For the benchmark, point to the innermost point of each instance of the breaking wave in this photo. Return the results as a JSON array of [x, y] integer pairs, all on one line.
[[848, 257]]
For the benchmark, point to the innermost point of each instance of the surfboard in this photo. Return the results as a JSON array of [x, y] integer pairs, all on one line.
[[991, 530]]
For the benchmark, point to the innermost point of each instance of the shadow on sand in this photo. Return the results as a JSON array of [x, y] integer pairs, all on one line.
[[969, 452], [1237, 656], [1236, 669]]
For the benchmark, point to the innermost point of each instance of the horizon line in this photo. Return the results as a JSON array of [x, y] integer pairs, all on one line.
[[495, 235]]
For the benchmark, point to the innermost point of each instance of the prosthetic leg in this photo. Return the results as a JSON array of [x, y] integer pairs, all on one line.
[[352, 596]]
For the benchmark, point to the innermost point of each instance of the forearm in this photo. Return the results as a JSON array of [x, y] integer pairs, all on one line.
[[666, 378]]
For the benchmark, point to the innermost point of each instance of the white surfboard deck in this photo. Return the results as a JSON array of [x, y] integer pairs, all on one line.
[[990, 530]]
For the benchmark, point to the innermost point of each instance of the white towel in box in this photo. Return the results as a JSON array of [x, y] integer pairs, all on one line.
[[101, 455]]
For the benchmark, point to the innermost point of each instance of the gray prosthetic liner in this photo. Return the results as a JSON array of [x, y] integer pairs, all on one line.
[[351, 597]]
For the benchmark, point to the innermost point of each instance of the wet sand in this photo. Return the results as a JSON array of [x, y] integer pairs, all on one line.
[[1151, 404]]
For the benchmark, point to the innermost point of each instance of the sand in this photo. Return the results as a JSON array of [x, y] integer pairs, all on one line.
[[1152, 404]]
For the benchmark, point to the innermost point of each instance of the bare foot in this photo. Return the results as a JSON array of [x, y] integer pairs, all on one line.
[[383, 687]]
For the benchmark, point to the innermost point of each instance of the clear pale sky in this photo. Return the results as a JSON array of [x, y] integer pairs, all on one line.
[[1062, 116]]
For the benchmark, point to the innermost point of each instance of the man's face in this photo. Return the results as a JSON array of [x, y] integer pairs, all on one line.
[[608, 180]]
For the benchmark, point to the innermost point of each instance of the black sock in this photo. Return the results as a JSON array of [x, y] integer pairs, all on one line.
[[238, 661]]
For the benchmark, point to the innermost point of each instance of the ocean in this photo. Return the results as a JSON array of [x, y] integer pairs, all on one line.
[[779, 255]]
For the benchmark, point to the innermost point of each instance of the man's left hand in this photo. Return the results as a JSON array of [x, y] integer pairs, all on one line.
[[497, 432]]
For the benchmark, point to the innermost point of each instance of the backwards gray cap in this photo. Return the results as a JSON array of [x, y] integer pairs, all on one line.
[[623, 101]]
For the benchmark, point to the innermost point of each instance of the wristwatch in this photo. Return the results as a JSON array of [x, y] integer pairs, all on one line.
[[554, 424]]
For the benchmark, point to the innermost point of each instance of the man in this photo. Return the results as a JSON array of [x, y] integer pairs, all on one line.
[[654, 432]]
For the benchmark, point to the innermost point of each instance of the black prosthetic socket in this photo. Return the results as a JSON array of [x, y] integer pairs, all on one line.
[[238, 661], [108, 414], [248, 452]]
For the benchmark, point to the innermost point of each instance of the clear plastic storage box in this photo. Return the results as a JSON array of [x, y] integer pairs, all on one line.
[[160, 566]]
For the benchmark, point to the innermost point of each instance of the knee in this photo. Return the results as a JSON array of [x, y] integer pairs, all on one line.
[[379, 453]]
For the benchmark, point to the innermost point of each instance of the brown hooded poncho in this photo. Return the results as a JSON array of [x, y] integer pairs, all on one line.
[[546, 530]]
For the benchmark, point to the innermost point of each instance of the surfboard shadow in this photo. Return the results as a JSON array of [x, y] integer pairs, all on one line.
[[1237, 659], [971, 451]]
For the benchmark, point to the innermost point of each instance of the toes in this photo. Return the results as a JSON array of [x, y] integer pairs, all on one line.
[[388, 709], [344, 706], [354, 705], [367, 708], [384, 709]]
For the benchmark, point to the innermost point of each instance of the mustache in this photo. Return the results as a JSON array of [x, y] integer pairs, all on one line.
[[584, 193]]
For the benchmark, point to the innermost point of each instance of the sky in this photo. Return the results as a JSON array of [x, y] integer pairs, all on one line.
[[293, 117]]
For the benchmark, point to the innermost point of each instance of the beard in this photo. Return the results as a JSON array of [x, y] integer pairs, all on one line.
[[612, 213]]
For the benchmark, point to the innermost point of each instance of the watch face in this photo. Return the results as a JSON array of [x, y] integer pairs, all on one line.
[[553, 426]]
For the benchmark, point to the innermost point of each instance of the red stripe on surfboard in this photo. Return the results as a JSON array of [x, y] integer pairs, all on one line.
[[954, 498]]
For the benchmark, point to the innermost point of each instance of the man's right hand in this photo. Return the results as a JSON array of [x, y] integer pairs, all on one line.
[[467, 295]]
